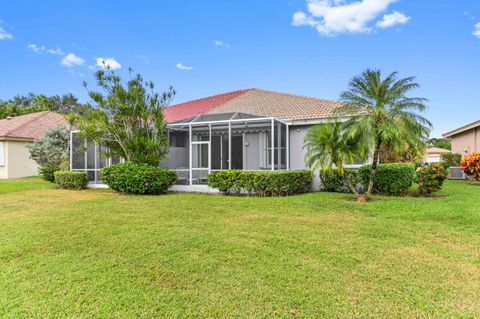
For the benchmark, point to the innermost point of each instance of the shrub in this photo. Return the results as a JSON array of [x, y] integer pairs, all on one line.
[[133, 178], [430, 178], [263, 183], [470, 165], [50, 151], [333, 181], [71, 180], [47, 173], [451, 159], [390, 179]]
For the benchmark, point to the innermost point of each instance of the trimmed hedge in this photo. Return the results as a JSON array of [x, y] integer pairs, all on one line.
[[332, 181], [262, 183], [71, 180], [133, 178], [47, 173], [390, 179]]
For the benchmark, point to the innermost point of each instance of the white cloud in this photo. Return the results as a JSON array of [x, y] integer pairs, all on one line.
[[4, 35], [40, 49], [389, 20], [35, 48], [108, 63], [57, 51], [330, 17], [182, 67], [144, 58], [72, 60], [300, 18], [219, 43], [476, 31]]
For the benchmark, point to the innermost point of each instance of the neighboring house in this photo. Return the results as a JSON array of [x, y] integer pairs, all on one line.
[[434, 154], [246, 130], [466, 139], [15, 133]]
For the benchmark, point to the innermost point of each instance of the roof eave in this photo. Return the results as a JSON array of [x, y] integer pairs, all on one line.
[[462, 129], [16, 139]]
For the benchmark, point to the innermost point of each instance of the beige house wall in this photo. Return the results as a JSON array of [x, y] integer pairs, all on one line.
[[3, 168], [466, 142], [17, 161]]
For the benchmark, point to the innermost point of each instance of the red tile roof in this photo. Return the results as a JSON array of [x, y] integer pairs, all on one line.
[[30, 126], [256, 102], [197, 107]]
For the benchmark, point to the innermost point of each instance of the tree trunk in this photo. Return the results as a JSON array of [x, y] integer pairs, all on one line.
[[350, 184], [361, 198], [376, 155]]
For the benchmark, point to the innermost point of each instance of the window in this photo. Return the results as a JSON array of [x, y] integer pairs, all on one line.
[[178, 139], [2, 153]]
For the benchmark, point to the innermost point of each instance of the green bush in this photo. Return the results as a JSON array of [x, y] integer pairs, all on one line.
[[50, 151], [390, 179], [262, 183], [133, 178], [333, 181], [430, 178], [71, 180], [47, 173], [451, 159]]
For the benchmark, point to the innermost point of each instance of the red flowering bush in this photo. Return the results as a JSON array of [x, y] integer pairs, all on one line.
[[430, 178], [470, 165]]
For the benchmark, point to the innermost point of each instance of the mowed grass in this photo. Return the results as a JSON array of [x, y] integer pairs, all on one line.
[[98, 254]]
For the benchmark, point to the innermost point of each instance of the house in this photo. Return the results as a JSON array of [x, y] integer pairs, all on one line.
[[466, 139], [15, 133], [434, 154], [245, 130]]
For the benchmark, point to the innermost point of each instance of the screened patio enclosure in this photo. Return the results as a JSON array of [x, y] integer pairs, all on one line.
[[225, 141], [204, 144]]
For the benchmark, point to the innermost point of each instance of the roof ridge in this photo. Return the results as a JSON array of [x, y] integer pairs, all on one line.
[[297, 95], [240, 92]]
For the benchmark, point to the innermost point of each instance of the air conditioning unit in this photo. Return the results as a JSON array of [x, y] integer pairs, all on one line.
[[455, 173]]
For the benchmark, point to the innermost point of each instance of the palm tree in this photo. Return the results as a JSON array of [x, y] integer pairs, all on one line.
[[384, 113], [331, 145]]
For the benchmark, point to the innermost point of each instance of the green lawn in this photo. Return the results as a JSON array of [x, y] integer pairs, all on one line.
[[98, 254]]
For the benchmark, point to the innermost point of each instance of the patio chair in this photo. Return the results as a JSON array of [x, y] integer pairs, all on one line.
[[182, 176], [203, 177]]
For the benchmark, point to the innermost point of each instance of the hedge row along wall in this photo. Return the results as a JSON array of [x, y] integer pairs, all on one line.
[[267, 183]]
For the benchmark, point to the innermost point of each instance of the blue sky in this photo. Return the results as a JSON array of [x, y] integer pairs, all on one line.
[[203, 48]]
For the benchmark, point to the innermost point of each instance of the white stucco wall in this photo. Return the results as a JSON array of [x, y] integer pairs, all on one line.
[[297, 153], [17, 161]]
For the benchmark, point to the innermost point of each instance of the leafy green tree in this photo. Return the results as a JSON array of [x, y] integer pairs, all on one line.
[[385, 113], [30, 103], [50, 151], [411, 152], [331, 145], [440, 142], [127, 118]]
